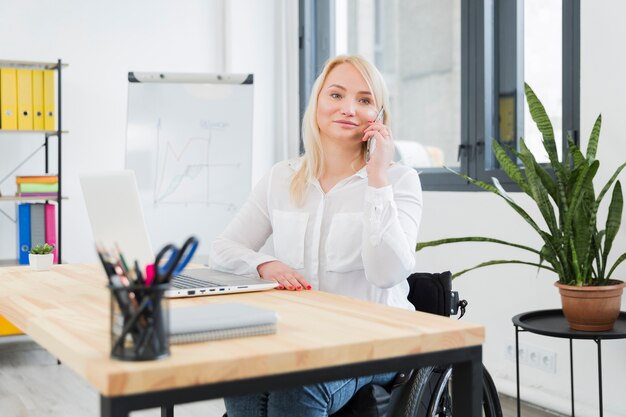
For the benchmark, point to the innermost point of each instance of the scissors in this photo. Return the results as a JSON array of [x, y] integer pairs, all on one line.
[[178, 259]]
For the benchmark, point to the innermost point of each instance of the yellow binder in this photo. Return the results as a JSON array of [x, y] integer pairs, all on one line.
[[6, 328], [8, 98], [24, 99], [38, 123], [48, 100]]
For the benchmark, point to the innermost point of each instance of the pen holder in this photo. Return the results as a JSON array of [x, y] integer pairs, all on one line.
[[139, 322]]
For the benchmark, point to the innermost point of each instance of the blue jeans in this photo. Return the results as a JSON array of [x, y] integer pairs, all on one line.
[[318, 400]]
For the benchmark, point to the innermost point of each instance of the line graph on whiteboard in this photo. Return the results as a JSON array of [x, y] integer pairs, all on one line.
[[185, 170], [190, 146]]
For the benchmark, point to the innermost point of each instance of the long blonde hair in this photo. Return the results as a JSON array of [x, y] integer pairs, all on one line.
[[312, 161]]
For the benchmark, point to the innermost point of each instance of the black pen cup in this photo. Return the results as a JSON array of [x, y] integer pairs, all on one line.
[[139, 322]]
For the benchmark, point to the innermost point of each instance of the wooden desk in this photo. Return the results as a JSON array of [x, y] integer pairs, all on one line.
[[320, 337]]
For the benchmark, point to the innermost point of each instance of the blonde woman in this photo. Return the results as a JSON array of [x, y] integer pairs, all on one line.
[[338, 223]]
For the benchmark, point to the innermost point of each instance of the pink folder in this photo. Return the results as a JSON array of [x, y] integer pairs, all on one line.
[[51, 228]]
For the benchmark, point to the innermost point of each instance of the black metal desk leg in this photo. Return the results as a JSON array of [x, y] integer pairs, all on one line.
[[599, 343], [112, 408], [571, 372], [167, 411], [517, 369], [467, 386]]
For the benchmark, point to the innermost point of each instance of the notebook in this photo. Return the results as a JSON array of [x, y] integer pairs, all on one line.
[[116, 217], [219, 321]]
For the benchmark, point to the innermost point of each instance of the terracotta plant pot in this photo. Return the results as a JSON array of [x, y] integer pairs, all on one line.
[[594, 308]]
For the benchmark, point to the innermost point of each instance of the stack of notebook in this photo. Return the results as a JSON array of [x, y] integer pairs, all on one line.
[[219, 321], [37, 185]]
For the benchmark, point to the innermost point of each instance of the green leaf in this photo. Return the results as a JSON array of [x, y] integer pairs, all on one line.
[[592, 147], [591, 227], [550, 256], [576, 154], [613, 220], [439, 242], [42, 249], [610, 182], [576, 194], [499, 262], [541, 119], [547, 238], [577, 276], [510, 167], [621, 259], [549, 183], [583, 233], [538, 191]]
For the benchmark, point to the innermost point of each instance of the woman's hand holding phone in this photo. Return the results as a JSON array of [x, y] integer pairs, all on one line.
[[380, 151]]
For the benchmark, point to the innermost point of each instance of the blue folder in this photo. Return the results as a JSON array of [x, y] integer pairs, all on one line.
[[23, 225]]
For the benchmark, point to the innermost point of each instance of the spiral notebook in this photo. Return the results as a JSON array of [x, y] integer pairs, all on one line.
[[204, 322]]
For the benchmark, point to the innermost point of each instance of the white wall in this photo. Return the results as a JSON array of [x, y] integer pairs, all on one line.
[[498, 293], [102, 41], [261, 38]]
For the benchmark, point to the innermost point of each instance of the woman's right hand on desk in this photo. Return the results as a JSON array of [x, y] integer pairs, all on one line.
[[287, 277]]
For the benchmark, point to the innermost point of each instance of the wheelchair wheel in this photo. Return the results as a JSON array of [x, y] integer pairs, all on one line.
[[436, 396], [491, 401]]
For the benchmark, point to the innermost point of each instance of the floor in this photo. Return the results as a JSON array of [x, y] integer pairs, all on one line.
[[33, 385]]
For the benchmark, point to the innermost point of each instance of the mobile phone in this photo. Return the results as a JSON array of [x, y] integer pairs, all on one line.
[[371, 142]]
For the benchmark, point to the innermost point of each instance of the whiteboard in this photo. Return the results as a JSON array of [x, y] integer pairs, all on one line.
[[189, 141]]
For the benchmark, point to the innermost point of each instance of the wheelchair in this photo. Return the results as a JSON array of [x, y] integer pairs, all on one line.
[[423, 392]]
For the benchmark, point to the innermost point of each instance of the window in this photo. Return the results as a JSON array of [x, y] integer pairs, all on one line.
[[455, 71], [543, 68]]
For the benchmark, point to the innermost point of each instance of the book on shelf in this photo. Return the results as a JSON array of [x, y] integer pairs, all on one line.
[[219, 321], [51, 228], [37, 225], [27, 99], [37, 179], [23, 233], [37, 188], [37, 194]]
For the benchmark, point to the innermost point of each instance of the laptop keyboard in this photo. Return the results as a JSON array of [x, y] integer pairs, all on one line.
[[182, 281]]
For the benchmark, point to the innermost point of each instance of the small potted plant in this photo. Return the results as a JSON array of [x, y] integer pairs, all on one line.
[[41, 257], [575, 242]]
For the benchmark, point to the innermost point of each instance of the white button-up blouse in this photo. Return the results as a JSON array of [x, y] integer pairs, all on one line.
[[354, 240]]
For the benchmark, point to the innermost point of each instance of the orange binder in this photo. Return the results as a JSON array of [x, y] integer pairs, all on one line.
[[8, 99], [48, 100], [6, 328], [38, 123], [24, 99]]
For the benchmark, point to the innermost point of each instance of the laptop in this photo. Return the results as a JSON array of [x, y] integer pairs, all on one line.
[[116, 217]]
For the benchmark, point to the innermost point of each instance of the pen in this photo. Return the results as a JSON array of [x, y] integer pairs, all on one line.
[[109, 269], [149, 274], [138, 273], [119, 252]]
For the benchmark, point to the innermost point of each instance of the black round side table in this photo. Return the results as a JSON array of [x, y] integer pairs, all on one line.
[[552, 323]]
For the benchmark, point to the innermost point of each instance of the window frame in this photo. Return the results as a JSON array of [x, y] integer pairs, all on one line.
[[478, 57]]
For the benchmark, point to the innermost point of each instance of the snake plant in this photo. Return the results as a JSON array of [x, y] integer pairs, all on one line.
[[573, 245]]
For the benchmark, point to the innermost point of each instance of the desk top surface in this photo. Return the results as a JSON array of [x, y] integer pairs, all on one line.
[[66, 310]]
